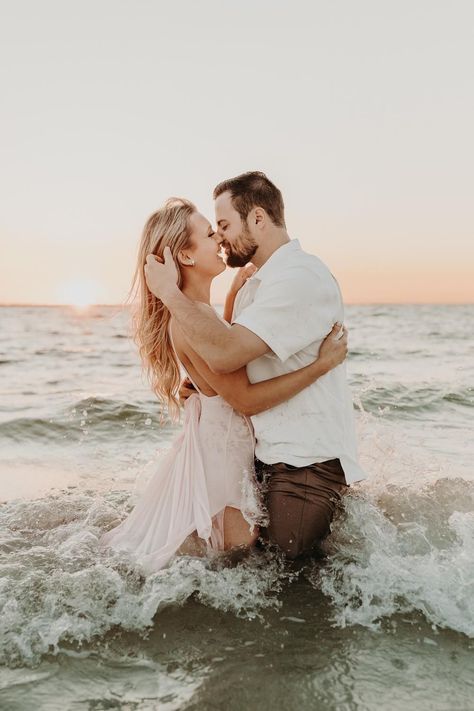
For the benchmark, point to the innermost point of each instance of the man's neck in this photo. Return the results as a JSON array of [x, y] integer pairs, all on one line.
[[274, 239]]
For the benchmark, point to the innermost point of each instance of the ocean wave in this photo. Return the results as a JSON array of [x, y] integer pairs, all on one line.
[[57, 587], [406, 550], [65, 352], [94, 416], [403, 550], [411, 400]]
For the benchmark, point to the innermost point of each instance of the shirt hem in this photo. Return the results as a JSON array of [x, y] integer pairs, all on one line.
[[358, 473]]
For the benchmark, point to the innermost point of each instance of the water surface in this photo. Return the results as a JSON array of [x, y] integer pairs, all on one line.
[[386, 621]]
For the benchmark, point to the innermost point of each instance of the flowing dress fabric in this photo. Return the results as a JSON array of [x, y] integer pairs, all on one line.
[[210, 466]]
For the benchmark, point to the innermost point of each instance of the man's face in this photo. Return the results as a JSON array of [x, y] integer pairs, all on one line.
[[237, 240]]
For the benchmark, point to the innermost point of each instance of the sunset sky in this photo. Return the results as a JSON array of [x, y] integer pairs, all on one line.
[[361, 112]]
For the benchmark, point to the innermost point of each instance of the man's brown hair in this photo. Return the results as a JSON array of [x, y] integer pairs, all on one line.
[[254, 189]]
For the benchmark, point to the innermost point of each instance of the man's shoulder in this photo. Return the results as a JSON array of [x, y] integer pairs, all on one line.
[[309, 261], [301, 265]]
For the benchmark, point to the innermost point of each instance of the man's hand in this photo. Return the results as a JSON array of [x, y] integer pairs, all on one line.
[[333, 350], [161, 278]]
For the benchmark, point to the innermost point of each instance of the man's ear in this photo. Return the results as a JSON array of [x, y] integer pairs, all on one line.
[[259, 216]]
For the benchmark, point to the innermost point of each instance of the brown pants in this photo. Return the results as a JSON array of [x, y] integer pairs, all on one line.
[[300, 503]]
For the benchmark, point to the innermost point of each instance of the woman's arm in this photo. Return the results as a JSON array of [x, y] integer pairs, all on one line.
[[239, 280], [252, 398], [229, 305]]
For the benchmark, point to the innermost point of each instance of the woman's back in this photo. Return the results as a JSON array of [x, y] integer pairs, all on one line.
[[199, 383]]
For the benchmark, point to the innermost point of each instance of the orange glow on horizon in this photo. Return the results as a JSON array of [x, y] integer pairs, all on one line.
[[80, 294]]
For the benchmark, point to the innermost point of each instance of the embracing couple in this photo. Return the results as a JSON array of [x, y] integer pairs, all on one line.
[[268, 444]]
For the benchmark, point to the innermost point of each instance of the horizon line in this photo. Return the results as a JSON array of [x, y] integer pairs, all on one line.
[[19, 304]]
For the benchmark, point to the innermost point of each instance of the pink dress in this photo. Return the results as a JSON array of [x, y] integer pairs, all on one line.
[[209, 466]]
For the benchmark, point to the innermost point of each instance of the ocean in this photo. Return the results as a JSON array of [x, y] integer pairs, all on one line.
[[386, 621]]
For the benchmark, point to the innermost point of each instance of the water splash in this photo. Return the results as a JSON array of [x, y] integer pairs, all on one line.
[[56, 586], [405, 550]]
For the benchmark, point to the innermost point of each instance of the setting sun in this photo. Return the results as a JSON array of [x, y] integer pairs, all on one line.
[[80, 293]]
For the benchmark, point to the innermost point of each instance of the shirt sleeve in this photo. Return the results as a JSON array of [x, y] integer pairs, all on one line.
[[293, 311]]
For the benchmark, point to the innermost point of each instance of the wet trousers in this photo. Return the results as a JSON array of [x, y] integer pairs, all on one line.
[[300, 502]]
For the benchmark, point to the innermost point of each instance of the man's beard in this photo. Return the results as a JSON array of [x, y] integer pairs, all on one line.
[[241, 255]]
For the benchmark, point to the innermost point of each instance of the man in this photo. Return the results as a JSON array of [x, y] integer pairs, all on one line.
[[306, 448]]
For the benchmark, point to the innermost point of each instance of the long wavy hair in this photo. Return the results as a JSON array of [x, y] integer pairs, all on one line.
[[167, 227]]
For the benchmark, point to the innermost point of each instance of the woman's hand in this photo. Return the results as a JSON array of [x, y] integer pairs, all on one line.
[[239, 280], [185, 390], [333, 350], [241, 277]]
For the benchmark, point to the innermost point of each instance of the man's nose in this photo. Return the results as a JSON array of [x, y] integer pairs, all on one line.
[[218, 238]]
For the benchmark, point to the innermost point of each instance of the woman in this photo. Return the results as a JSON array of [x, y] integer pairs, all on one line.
[[202, 494]]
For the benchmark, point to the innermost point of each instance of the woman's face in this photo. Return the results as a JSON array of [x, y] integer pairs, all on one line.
[[205, 247]]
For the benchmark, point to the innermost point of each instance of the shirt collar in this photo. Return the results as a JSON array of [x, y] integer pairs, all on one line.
[[276, 260]]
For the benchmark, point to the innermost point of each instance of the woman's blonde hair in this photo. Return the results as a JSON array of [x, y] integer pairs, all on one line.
[[167, 227]]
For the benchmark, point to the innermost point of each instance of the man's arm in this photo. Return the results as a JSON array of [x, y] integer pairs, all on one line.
[[224, 349]]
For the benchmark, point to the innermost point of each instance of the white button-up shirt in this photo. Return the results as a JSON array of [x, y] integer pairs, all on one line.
[[291, 303]]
